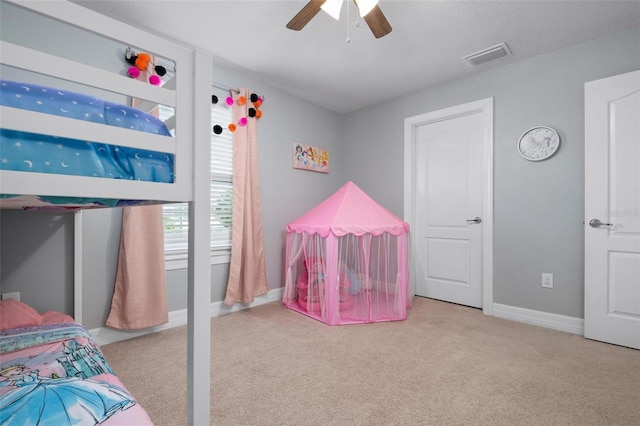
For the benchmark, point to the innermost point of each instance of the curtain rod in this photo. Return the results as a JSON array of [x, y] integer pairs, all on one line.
[[223, 87]]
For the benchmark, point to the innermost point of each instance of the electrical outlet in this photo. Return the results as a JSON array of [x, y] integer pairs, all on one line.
[[547, 280], [14, 296]]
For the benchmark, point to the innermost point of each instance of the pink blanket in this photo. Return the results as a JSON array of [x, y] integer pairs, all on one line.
[[56, 374]]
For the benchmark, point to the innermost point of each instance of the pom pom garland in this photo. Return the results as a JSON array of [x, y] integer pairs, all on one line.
[[253, 112], [130, 56], [141, 62], [133, 72]]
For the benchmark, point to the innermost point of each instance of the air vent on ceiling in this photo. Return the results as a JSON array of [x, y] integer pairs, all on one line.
[[487, 55]]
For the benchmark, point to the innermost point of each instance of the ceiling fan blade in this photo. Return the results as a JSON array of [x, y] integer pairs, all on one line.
[[377, 22], [307, 13]]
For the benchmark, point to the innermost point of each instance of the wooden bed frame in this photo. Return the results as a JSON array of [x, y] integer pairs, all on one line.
[[191, 147]]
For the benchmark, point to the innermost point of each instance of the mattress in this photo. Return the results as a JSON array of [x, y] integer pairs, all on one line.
[[36, 153]]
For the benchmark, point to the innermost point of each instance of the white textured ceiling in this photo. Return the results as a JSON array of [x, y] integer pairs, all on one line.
[[424, 48]]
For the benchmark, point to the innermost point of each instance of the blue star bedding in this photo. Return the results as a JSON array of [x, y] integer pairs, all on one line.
[[55, 374], [35, 153]]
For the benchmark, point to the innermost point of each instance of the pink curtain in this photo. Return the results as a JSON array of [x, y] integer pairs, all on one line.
[[140, 294], [247, 272]]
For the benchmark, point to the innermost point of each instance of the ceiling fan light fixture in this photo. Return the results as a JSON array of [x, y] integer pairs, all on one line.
[[332, 7], [369, 10], [365, 6]]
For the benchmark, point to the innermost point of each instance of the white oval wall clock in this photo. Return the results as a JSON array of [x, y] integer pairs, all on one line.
[[538, 143]]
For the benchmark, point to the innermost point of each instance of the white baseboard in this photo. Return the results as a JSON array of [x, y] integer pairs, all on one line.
[[106, 335], [539, 318]]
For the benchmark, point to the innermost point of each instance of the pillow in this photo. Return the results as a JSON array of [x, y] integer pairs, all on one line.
[[15, 314], [55, 317]]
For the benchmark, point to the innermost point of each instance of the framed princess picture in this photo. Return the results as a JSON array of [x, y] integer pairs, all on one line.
[[308, 157]]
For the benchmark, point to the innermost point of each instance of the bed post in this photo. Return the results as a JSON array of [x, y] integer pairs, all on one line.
[[77, 266], [199, 276]]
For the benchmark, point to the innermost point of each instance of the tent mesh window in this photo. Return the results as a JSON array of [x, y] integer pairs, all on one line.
[[342, 277]]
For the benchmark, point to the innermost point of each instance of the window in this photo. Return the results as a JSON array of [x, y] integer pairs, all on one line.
[[176, 216]]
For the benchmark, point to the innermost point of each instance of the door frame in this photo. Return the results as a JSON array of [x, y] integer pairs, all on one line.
[[485, 108]]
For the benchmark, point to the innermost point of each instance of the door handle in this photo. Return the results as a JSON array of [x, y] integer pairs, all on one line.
[[595, 223], [476, 220]]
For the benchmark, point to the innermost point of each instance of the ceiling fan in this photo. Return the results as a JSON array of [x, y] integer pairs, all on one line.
[[369, 11]]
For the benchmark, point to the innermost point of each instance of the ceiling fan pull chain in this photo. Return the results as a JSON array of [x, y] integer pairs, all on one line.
[[348, 19]]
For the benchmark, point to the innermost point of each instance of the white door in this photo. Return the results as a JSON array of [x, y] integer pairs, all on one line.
[[449, 192], [612, 210]]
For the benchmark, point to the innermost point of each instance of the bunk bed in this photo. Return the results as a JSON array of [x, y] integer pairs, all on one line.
[[187, 151]]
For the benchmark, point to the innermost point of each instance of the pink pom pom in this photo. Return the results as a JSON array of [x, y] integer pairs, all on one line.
[[229, 100], [133, 72], [243, 121], [155, 80]]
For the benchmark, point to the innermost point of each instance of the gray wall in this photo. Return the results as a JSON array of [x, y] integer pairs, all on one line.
[[36, 258], [36, 248], [286, 193], [538, 207]]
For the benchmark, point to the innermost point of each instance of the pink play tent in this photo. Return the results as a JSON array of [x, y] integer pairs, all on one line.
[[347, 261]]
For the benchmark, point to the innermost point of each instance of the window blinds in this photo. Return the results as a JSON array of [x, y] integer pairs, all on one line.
[[176, 216]]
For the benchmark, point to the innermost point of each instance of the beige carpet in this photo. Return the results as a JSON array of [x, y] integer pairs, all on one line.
[[445, 365]]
